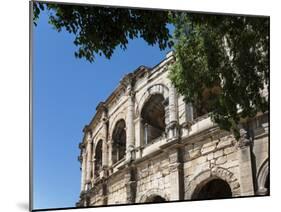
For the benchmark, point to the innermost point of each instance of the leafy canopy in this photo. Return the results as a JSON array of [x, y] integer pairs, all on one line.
[[99, 30], [223, 63]]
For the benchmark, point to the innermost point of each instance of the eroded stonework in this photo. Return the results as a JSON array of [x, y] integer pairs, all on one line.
[[145, 144]]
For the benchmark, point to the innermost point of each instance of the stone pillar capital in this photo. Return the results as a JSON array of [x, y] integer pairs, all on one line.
[[88, 135], [131, 95], [244, 140], [131, 153], [128, 81]]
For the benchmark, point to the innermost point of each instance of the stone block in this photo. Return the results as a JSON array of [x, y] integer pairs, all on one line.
[[165, 172], [201, 168], [155, 184], [230, 164], [210, 143], [189, 170], [228, 150], [218, 153], [221, 160], [210, 156], [208, 149], [144, 174], [187, 164], [224, 143], [194, 153], [232, 156], [201, 159], [234, 170], [161, 183]]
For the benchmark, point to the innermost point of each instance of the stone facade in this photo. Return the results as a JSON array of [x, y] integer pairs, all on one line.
[[145, 144]]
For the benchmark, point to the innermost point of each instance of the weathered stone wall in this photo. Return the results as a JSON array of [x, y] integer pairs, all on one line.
[[209, 158], [153, 178], [96, 197], [175, 166], [116, 189]]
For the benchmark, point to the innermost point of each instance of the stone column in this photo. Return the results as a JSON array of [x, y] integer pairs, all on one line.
[[104, 144], [189, 113], [89, 163], [130, 132], [146, 134], [83, 171], [176, 175], [110, 143], [130, 184], [245, 164], [173, 103], [167, 115], [139, 133], [94, 166], [173, 112]]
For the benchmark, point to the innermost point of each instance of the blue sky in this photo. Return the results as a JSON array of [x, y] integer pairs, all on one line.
[[66, 92]]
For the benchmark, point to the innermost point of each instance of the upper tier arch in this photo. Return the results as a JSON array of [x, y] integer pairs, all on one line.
[[154, 89]]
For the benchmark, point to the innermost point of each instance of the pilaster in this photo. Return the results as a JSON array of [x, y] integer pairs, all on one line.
[[130, 184], [83, 171], [176, 175], [173, 131], [130, 132], [89, 162], [245, 164]]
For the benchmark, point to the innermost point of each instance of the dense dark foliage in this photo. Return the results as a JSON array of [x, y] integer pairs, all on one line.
[[223, 63], [99, 30]]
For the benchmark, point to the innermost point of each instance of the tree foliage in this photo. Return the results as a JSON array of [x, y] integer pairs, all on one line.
[[99, 30], [222, 62]]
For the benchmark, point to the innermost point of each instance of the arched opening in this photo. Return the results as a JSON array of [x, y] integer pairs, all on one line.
[[119, 141], [153, 118], [213, 189], [263, 179], [202, 105], [156, 199], [267, 185], [98, 158]]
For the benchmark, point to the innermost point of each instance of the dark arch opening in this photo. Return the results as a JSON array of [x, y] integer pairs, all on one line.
[[214, 189], [267, 185], [156, 199], [119, 141], [153, 118], [98, 158]]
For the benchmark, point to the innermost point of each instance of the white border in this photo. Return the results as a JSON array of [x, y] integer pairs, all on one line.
[[14, 102]]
